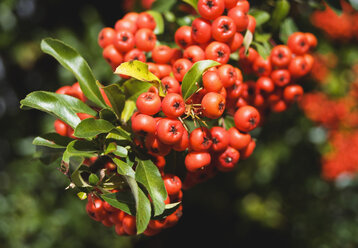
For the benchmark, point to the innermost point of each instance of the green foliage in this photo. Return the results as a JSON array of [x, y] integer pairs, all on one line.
[[74, 62], [192, 79]]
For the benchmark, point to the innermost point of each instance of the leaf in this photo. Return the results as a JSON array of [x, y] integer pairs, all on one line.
[[120, 131], [265, 37], [77, 105], [52, 140], [260, 16], [69, 58], [147, 174], [162, 5], [123, 168], [143, 208], [89, 128], [79, 148], [138, 70], [82, 195], [93, 179], [247, 40], [133, 88], [229, 122], [159, 28], [354, 4], [108, 115], [193, 3], [122, 200], [77, 178], [288, 27], [192, 79], [49, 156], [263, 49], [282, 9], [129, 108], [53, 104], [168, 210], [116, 98], [117, 150], [120, 152]]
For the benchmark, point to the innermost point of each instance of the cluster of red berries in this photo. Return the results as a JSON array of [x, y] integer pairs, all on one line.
[[340, 118], [342, 26], [101, 211], [130, 39], [322, 66], [125, 224], [276, 86], [159, 124]]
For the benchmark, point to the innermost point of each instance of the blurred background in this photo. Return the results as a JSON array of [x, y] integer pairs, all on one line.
[[278, 197]]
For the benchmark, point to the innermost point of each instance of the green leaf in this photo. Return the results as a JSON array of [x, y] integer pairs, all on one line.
[[89, 128], [162, 5], [147, 174], [116, 98], [261, 16], [282, 9], [49, 156], [159, 28], [77, 105], [129, 108], [288, 27], [52, 140], [79, 148], [53, 104], [143, 208], [122, 200], [108, 115], [354, 4], [93, 179], [123, 133], [77, 178], [265, 37], [123, 168], [192, 79], [82, 195], [168, 210], [229, 122], [133, 88], [247, 40], [193, 3], [117, 150], [69, 58], [120, 152], [263, 49]]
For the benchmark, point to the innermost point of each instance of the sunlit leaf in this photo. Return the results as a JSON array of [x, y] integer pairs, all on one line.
[[69, 58]]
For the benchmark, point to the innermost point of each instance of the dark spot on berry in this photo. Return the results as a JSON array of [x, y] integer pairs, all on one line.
[[221, 106], [228, 159], [124, 38], [261, 69], [221, 54], [215, 140], [176, 105], [225, 27], [252, 121], [183, 43], [173, 129], [210, 4]]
